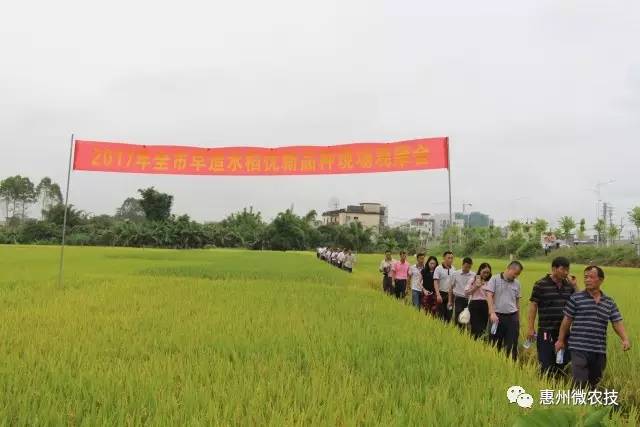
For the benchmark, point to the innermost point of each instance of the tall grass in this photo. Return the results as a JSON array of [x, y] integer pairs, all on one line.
[[244, 338]]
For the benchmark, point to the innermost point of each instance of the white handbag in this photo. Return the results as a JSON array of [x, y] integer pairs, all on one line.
[[465, 315]]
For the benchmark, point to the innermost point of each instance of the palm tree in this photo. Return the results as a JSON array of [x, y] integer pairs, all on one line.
[[311, 216], [600, 228], [613, 233], [358, 235], [49, 193], [634, 217], [582, 229]]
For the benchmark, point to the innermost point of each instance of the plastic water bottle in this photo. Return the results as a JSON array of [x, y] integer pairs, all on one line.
[[560, 356], [528, 342], [494, 328]]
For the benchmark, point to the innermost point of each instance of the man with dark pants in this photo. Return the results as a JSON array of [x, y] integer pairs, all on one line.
[[349, 261], [385, 269], [548, 299], [588, 314], [503, 299], [461, 279], [400, 273], [442, 280], [415, 278]]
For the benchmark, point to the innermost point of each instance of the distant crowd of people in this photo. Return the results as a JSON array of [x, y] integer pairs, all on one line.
[[342, 258], [488, 304]]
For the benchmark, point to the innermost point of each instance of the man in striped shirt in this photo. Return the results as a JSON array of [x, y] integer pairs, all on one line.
[[588, 314]]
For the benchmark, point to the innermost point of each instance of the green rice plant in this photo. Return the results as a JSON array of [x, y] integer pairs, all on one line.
[[233, 337]]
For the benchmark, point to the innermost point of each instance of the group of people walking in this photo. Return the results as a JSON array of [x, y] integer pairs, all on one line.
[[568, 318], [341, 258]]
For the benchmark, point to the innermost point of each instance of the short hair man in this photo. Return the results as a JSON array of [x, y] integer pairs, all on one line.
[[503, 299], [349, 261], [385, 268], [548, 299], [442, 280], [588, 314], [415, 276], [456, 291]]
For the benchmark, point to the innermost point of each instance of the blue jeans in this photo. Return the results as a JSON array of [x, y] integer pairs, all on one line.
[[415, 298]]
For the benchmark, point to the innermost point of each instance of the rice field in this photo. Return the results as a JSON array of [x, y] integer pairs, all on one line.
[[224, 337]]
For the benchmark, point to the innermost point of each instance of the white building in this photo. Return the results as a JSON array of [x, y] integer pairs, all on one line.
[[423, 226], [370, 215], [441, 223]]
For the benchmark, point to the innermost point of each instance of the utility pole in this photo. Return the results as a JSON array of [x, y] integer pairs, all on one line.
[[464, 220], [604, 223], [597, 191]]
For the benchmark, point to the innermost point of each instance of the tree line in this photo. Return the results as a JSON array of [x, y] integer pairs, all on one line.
[[147, 221]]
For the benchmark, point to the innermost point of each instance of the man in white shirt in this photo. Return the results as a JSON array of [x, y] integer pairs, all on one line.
[[415, 278], [341, 257], [503, 299], [442, 281], [334, 257], [385, 269], [461, 279], [327, 255], [349, 261]]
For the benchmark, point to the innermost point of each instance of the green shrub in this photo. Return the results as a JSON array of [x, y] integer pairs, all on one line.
[[620, 255], [41, 231], [529, 249]]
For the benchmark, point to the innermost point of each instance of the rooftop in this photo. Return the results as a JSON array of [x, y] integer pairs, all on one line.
[[354, 209]]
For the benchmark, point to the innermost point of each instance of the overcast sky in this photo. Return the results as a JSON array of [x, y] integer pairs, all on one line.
[[541, 99]]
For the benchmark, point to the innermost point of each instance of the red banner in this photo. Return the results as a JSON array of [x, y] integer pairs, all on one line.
[[417, 154]]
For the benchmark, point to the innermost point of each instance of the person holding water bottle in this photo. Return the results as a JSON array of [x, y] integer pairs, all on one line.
[[503, 299], [548, 299], [588, 314], [478, 304]]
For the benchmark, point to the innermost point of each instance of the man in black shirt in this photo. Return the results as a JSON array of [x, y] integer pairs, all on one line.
[[548, 299]]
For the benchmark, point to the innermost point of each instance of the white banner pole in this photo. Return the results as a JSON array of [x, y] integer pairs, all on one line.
[[450, 204]]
